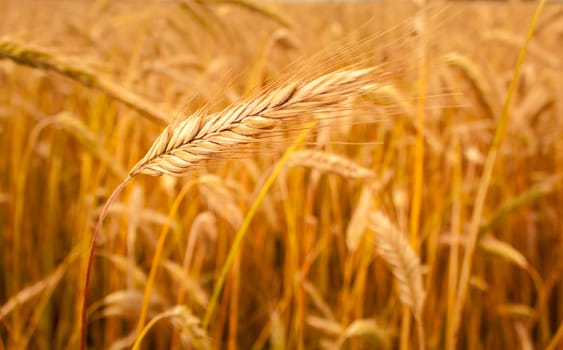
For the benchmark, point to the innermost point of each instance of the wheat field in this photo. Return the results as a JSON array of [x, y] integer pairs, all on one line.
[[239, 174]]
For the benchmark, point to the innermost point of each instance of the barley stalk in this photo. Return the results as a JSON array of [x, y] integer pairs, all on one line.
[[200, 138]]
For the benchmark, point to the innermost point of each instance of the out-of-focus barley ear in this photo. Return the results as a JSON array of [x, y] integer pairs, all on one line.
[[184, 322], [364, 327], [503, 250], [41, 59], [393, 246], [476, 79], [125, 303], [329, 162]]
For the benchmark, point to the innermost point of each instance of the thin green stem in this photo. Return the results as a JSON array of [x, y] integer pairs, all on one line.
[[235, 248], [499, 136]]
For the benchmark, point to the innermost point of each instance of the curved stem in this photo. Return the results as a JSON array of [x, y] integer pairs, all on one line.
[[90, 261]]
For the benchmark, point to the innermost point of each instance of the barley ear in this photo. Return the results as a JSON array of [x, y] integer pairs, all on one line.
[[41, 59], [203, 137], [393, 246]]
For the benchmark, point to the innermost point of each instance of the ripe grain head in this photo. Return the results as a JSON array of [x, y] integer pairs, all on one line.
[[200, 137]]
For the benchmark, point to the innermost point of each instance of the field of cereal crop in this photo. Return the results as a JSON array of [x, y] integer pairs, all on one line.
[[287, 175]]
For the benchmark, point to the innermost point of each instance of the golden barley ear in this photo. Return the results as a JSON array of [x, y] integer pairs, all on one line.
[[392, 245], [200, 138]]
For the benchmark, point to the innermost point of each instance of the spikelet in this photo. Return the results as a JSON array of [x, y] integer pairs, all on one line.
[[202, 137], [393, 247]]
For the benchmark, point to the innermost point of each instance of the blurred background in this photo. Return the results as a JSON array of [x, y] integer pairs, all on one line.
[[87, 86]]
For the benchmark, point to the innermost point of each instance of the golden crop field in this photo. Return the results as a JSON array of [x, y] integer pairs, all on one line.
[[241, 174]]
